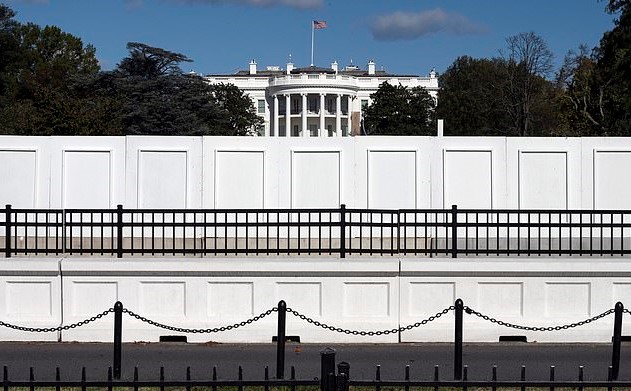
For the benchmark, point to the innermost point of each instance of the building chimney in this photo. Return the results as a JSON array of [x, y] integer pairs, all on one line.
[[290, 67], [334, 66], [371, 67], [252, 67]]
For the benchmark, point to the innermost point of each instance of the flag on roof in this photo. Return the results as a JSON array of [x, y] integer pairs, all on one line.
[[319, 24]]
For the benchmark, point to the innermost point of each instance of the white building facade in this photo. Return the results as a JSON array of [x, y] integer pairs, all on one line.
[[315, 101]]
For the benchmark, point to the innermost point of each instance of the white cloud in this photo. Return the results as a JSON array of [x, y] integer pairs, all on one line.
[[411, 25], [304, 4]]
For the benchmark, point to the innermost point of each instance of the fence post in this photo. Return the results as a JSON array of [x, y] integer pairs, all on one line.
[[454, 231], [343, 231], [458, 340], [119, 231], [280, 340], [617, 338], [7, 232], [118, 331], [327, 368], [343, 373]]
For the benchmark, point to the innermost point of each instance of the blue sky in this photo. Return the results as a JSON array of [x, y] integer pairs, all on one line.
[[402, 36]]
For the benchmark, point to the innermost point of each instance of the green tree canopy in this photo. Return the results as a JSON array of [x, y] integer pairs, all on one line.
[[398, 110]]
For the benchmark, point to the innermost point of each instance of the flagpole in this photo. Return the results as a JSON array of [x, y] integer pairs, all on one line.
[[312, 35]]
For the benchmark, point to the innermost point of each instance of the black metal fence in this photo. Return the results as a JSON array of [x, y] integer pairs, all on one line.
[[425, 232]]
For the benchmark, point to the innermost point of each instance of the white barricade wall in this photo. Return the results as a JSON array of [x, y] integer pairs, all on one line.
[[373, 172]]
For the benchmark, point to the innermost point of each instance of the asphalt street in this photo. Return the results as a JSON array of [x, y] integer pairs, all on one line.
[[363, 359]]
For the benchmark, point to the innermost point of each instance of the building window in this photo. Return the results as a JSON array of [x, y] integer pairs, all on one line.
[[261, 106], [364, 104], [330, 130], [313, 130], [295, 106], [313, 104], [296, 132], [329, 105], [344, 130]]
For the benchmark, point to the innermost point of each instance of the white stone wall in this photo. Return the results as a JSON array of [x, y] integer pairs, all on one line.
[[374, 172], [377, 293]]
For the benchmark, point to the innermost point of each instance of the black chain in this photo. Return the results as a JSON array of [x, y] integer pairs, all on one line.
[[200, 331], [59, 328], [625, 310], [471, 311], [369, 333]]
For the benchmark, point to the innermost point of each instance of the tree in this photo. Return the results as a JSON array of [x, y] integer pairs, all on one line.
[[470, 98], [38, 76], [397, 110], [528, 61], [153, 96]]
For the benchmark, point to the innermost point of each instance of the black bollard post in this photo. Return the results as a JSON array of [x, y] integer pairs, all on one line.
[[458, 340], [617, 338], [118, 331], [343, 372], [280, 340], [327, 368]]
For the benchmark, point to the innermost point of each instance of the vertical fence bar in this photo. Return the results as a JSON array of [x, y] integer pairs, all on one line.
[[454, 231], [119, 231], [617, 338], [327, 367], [458, 340], [7, 233], [343, 231], [118, 328], [280, 340]]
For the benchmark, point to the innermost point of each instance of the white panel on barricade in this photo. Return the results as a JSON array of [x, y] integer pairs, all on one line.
[[501, 298], [468, 179], [240, 172], [469, 172], [366, 299], [606, 164], [87, 179], [392, 172], [92, 296], [24, 172], [611, 191], [392, 179], [239, 179], [329, 161], [164, 172], [87, 172], [31, 292], [543, 173], [315, 179]]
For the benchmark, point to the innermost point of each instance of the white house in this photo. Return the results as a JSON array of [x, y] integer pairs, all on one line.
[[314, 101]]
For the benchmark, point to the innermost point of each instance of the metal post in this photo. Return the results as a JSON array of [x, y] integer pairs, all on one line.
[[458, 340], [327, 368], [280, 340], [119, 231], [343, 231], [617, 338], [454, 231], [343, 373], [118, 331], [7, 232]]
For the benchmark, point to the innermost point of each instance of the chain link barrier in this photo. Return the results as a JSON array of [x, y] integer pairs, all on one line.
[[58, 328], [471, 311], [369, 333], [200, 331], [626, 311]]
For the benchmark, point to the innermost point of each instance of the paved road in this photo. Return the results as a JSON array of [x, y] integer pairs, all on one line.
[[422, 358]]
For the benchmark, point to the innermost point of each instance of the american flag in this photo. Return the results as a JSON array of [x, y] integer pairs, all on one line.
[[319, 24]]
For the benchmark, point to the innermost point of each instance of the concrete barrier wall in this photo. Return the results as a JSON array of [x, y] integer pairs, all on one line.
[[374, 172], [356, 294]]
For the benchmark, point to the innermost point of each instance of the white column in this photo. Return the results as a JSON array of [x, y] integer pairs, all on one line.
[[322, 129], [305, 131], [287, 115], [349, 120], [338, 115], [275, 116]]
